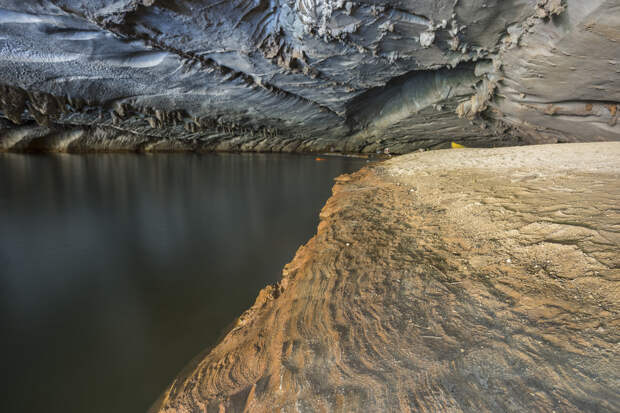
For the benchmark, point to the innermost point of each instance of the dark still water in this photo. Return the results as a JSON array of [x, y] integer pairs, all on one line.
[[117, 269]]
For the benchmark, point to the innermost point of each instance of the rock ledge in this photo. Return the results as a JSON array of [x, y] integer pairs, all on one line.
[[459, 280]]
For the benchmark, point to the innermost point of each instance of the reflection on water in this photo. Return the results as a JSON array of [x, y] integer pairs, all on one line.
[[115, 270]]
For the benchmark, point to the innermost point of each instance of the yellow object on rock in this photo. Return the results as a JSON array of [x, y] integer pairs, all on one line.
[[457, 146]]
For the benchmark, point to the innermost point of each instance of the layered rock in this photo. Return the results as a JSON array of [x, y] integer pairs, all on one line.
[[460, 280], [306, 75]]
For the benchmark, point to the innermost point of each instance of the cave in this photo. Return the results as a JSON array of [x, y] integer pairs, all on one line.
[[466, 260]]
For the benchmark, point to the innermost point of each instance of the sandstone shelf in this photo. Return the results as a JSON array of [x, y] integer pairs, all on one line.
[[470, 280]]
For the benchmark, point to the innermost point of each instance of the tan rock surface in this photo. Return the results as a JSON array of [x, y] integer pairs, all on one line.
[[457, 280]]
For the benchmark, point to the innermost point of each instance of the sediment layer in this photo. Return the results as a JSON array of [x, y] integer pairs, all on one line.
[[458, 280]]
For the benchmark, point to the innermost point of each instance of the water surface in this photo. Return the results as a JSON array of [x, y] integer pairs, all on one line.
[[117, 269]]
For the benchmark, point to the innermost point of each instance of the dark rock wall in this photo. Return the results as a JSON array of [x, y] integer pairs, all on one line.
[[306, 75]]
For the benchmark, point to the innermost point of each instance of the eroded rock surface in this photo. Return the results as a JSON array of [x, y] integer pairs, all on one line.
[[306, 75], [477, 280]]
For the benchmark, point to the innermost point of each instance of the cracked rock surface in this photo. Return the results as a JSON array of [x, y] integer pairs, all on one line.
[[475, 280], [306, 75]]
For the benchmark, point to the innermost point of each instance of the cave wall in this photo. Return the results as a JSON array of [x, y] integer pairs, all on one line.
[[306, 75]]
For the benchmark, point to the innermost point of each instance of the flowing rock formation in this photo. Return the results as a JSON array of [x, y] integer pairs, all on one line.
[[476, 280], [306, 75]]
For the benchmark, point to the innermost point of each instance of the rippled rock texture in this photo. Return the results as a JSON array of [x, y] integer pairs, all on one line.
[[306, 75], [477, 280]]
